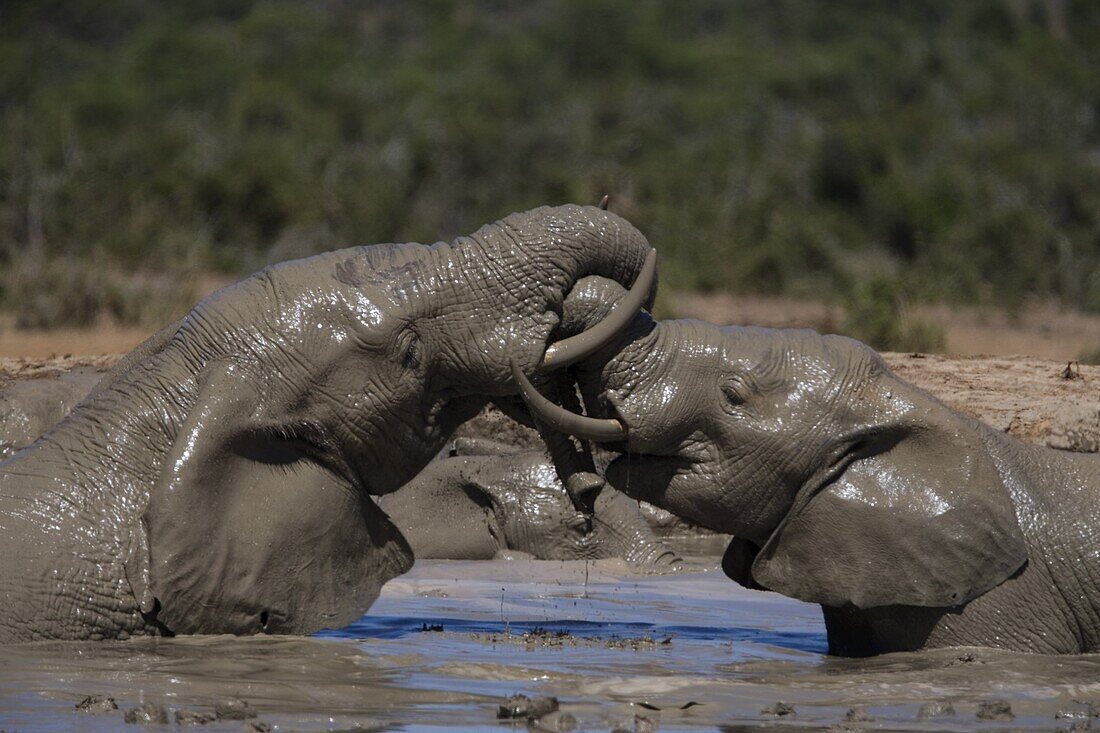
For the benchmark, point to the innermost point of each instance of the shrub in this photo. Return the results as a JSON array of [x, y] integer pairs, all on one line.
[[877, 314]]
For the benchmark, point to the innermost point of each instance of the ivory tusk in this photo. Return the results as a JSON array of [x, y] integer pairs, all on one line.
[[573, 349], [562, 420]]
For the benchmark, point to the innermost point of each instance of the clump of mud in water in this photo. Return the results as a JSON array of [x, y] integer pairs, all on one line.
[[234, 708], [97, 705], [194, 717], [995, 710], [555, 722], [779, 710], [935, 710], [521, 706], [541, 638], [1086, 711], [637, 724], [854, 719], [146, 714], [541, 713]]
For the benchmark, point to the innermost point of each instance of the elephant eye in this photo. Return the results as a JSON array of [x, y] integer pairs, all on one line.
[[579, 523], [735, 390], [408, 346]]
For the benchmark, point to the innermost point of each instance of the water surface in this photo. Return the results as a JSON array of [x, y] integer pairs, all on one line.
[[690, 650]]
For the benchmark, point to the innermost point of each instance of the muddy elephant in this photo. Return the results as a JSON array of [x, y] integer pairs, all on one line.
[[913, 525], [28, 407], [485, 498], [218, 480], [478, 500]]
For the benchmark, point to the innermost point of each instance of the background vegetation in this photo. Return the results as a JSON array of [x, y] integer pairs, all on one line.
[[854, 150]]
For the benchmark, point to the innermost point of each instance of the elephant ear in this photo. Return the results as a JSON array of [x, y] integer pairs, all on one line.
[[245, 533], [925, 521]]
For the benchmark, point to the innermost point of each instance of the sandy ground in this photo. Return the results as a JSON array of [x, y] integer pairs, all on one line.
[[47, 345], [1040, 330], [1050, 403]]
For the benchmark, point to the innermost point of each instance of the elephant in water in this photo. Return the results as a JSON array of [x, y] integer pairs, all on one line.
[[912, 525], [218, 480], [483, 499], [28, 407], [487, 498]]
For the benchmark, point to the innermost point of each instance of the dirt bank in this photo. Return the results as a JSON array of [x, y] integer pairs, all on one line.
[[1045, 402], [1042, 330]]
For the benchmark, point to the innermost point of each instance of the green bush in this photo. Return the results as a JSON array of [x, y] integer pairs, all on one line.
[[877, 314], [65, 291], [769, 146], [1090, 356]]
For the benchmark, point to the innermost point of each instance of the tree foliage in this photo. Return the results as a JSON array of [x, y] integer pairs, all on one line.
[[774, 146]]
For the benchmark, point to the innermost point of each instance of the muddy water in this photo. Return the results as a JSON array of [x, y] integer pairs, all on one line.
[[608, 642]]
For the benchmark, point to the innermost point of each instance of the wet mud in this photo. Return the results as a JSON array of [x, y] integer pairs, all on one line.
[[618, 650]]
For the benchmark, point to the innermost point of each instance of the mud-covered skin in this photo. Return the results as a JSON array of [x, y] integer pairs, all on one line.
[[485, 498], [913, 525], [29, 407], [219, 480]]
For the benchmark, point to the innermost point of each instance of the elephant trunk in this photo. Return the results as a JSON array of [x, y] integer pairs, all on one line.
[[594, 302], [655, 553], [629, 532], [584, 344]]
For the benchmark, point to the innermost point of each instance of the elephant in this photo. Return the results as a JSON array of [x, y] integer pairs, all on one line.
[[485, 498], [219, 478], [912, 525], [28, 407], [479, 499]]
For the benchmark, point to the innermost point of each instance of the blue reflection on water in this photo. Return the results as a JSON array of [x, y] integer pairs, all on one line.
[[398, 627]]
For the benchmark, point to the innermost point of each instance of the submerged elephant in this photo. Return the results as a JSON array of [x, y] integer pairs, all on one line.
[[487, 498], [218, 480], [912, 525]]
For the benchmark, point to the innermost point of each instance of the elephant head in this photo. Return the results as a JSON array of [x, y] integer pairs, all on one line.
[[842, 483], [219, 478], [347, 373], [485, 497]]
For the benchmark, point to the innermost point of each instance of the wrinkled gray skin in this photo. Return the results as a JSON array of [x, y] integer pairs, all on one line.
[[486, 498], [29, 407], [914, 526], [483, 499], [219, 479]]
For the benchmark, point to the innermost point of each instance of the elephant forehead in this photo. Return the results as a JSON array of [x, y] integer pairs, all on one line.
[[317, 312], [530, 487], [539, 473]]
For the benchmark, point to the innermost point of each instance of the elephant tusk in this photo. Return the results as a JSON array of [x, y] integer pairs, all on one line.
[[604, 202], [561, 419], [573, 349]]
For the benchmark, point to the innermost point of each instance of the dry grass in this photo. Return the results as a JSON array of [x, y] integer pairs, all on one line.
[[1041, 330]]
